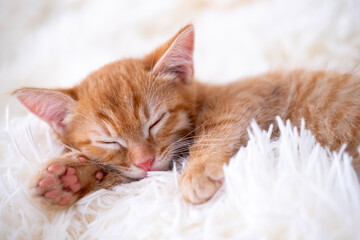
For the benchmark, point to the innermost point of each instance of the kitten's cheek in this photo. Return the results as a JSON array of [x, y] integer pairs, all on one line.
[[161, 165]]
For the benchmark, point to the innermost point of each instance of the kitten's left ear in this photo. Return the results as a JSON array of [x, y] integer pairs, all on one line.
[[52, 106], [175, 57]]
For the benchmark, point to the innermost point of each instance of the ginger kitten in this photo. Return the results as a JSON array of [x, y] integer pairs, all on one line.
[[136, 115]]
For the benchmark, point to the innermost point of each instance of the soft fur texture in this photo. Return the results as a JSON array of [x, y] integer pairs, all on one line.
[[341, 197]]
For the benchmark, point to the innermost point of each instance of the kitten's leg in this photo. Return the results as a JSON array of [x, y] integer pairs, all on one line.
[[62, 181], [203, 174]]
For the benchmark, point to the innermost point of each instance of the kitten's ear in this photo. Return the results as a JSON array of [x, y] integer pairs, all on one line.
[[175, 57], [53, 106]]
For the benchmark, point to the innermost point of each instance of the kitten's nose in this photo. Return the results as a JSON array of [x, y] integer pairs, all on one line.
[[145, 163]]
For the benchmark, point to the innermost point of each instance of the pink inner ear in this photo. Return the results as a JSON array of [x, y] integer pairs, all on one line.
[[51, 106], [178, 59]]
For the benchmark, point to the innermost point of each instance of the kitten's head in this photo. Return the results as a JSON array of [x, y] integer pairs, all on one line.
[[133, 114]]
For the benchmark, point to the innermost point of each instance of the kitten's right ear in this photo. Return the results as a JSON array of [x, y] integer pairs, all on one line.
[[175, 57], [52, 106]]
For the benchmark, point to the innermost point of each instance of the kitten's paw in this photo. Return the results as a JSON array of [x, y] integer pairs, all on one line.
[[61, 182], [199, 182]]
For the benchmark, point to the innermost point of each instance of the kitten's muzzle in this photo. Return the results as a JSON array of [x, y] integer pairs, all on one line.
[[142, 156], [145, 163]]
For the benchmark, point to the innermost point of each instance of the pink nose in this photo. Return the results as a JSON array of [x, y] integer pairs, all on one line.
[[145, 163]]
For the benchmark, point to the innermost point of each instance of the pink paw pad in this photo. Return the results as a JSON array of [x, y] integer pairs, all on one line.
[[56, 167], [46, 182], [99, 175], [70, 180], [52, 194], [60, 186], [65, 200]]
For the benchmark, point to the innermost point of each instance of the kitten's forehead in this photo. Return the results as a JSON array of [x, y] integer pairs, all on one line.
[[129, 85], [120, 84], [124, 96]]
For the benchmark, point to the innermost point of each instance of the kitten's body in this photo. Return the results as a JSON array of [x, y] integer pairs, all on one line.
[[135, 115], [329, 102]]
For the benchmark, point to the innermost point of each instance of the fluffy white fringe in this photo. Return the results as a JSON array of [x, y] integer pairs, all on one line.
[[289, 188]]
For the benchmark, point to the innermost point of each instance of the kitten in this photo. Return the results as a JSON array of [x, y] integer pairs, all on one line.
[[135, 115]]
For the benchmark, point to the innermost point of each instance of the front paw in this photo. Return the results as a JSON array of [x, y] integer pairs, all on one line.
[[199, 182], [58, 181]]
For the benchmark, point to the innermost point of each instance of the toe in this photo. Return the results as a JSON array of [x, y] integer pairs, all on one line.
[[206, 190], [52, 194], [199, 188], [56, 167], [46, 182], [65, 200]]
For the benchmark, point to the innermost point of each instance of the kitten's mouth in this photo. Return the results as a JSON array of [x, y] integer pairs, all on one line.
[[136, 172]]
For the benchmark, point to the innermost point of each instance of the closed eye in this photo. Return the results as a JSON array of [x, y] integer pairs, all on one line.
[[109, 144], [156, 122], [105, 142]]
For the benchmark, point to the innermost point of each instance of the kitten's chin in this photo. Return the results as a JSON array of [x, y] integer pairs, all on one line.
[[135, 173]]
